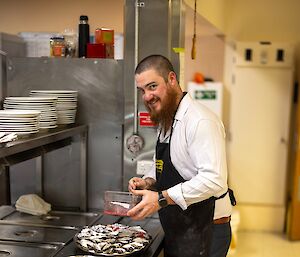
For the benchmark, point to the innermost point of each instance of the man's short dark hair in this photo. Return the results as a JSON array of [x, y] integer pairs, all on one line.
[[159, 63]]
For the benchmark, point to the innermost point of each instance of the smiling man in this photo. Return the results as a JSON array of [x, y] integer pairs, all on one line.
[[190, 171]]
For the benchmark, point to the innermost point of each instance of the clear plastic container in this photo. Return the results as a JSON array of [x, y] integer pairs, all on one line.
[[119, 203]]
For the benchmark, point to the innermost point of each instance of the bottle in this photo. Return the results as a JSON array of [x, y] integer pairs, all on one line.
[[57, 46], [84, 36]]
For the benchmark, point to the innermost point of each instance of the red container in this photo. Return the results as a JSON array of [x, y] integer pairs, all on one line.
[[109, 51], [96, 50]]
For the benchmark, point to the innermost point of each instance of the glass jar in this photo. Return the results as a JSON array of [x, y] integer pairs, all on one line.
[[57, 46], [71, 39]]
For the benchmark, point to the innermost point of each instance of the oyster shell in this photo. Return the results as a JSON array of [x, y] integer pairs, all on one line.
[[112, 240]]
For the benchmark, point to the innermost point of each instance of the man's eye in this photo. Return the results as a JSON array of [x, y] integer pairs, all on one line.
[[152, 87]]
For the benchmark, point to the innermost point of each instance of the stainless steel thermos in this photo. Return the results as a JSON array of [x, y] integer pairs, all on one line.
[[84, 35]]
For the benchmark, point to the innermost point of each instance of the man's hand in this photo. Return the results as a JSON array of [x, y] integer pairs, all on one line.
[[136, 183], [140, 183], [146, 207]]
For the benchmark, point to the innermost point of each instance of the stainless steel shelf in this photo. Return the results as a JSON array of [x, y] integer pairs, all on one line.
[[36, 146], [41, 139]]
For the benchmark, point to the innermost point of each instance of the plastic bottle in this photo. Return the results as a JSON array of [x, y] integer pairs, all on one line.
[[84, 35]]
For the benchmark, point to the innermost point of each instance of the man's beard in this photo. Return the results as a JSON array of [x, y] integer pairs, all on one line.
[[165, 116]]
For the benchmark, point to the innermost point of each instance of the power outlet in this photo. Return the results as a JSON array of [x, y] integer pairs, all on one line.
[[143, 167]]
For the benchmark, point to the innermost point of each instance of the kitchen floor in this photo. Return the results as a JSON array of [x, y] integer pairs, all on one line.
[[263, 244]]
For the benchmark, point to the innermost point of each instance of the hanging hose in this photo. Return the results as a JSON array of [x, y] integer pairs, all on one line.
[[193, 52]]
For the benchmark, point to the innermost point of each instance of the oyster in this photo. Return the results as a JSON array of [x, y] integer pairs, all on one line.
[[112, 240]]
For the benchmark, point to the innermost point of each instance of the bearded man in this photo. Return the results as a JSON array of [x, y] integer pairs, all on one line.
[[190, 171]]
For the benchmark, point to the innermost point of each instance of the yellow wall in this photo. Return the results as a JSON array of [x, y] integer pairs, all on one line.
[[274, 20], [244, 20], [55, 15], [255, 20], [212, 10]]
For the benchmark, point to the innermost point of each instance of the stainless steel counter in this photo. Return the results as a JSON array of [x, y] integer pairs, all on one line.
[[20, 249], [54, 219], [34, 234], [22, 234]]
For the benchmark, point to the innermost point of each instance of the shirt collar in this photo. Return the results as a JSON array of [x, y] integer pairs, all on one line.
[[183, 106]]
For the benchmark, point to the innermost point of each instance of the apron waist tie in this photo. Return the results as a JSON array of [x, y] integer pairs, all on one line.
[[222, 220]]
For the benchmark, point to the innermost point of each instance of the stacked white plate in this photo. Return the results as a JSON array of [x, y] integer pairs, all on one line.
[[46, 105], [20, 122], [66, 103]]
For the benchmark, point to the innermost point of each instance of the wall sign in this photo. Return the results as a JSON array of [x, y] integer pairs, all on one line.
[[145, 121]]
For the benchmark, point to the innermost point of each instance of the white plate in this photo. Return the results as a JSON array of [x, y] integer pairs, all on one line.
[[21, 130], [19, 113], [55, 91], [18, 120], [31, 99]]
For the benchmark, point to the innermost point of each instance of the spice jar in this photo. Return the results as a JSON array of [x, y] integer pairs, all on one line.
[[57, 46]]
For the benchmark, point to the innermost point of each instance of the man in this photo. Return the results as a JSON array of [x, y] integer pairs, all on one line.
[[190, 166]]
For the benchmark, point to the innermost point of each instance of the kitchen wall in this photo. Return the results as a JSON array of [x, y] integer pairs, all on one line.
[[212, 10], [210, 44], [256, 20], [55, 15]]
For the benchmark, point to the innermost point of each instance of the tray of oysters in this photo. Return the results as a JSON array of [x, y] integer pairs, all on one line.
[[112, 239]]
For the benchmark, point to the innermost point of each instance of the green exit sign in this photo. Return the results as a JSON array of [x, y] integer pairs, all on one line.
[[205, 94]]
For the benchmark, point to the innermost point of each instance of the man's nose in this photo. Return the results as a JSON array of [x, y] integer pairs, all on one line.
[[147, 96]]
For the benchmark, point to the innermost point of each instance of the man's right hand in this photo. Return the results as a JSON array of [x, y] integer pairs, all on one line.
[[136, 183]]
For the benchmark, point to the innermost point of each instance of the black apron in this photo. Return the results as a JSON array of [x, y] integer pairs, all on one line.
[[187, 233]]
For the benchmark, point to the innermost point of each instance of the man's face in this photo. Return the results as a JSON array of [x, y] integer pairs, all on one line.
[[159, 96]]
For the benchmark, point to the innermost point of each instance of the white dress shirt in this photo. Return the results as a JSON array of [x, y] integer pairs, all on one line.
[[198, 153]]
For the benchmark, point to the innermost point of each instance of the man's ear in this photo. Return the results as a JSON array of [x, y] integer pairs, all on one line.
[[172, 78]]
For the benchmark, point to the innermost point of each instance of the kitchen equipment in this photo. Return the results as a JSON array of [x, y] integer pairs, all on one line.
[[119, 203], [58, 219], [193, 52], [34, 234], [21, 249]]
